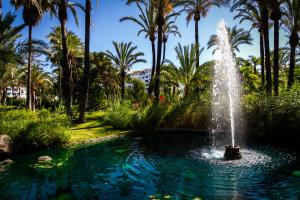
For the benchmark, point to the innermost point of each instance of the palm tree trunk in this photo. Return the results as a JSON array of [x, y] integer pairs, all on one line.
[[294, 40], [262, 57], [4, 94], [197, 43], [150, 89], [276, 52], [33, 99], [123, 75], [265, 18], [160, 22], [60, 84], [29, 81], [67, 85], [86, 73], [164, 49], [0, 7]]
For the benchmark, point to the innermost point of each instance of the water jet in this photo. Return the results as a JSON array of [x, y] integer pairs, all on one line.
[[226, 91]]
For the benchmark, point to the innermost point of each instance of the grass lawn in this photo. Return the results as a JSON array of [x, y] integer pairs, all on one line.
[[92, 129]]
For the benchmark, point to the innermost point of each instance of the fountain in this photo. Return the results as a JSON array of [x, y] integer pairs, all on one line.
[[226, 95]]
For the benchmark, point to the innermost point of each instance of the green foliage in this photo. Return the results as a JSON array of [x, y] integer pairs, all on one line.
[[272, 117], [138, 92], [30, 130], [121, 116]]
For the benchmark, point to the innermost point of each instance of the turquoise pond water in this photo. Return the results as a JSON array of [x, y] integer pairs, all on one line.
[[181, 167]]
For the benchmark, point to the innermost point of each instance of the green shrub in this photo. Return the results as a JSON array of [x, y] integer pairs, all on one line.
[[30, 130], [121, 116], [273, 117]]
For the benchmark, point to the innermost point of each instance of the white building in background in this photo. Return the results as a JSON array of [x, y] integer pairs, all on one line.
[[143, 75], [17, 92]]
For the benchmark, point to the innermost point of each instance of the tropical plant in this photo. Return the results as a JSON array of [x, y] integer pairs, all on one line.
[[60, 8], [32, 15], [195, 10], [187, 73], [291, 24], [263, 6], [124, 59], [147, 23], [251, 12], [237, 37]]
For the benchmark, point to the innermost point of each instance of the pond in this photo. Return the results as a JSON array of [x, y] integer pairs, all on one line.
[[157, 167]]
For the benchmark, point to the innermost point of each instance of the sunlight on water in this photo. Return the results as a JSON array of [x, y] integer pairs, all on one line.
[[226, 91]]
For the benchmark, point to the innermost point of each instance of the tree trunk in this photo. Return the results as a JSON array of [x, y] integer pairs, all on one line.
[[0, 7], [4, 95], [294, 40], [150, 89], [262, 58], [265, 18], [67, 84], [33, 99], [86, 73], [160, 23], [197, 43], [276, 50], [123, 75], [164, 47], [60, 84], [29, 81]]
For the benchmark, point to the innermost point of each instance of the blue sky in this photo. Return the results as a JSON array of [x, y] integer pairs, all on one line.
[[107, 28]]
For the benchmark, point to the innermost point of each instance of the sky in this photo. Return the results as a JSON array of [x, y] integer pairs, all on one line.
[[106, 28]]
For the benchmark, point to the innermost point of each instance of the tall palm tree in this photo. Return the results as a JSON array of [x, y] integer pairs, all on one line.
[[195, 10], [163, 8], [124, 59], [276, 16], [291, 24], [169, 28], [86, 73], [146, 22], [60, 8], [55, 52], [264, 8], [237, 37], [32, 15], [251, 12]]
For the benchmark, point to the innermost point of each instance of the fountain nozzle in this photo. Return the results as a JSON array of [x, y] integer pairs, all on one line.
[[232, 152]]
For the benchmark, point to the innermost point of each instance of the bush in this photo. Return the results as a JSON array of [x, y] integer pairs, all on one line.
[[31, 130], [121, 116], [273, 118]]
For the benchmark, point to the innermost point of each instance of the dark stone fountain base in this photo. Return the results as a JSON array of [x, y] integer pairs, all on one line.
[[232, 152]]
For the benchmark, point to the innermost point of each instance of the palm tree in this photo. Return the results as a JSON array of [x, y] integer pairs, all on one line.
[[276, 16], [237, 37], [32, 15], [252, 12], [146, 22], [60, 7], [254, 61], [291, 24], [86, 73], [41, 80], [264, 8], [163, 8], [195, 10], [124, 59], [0, 7], [168, 29], [187, 73], [55, 53], [8, 36]]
